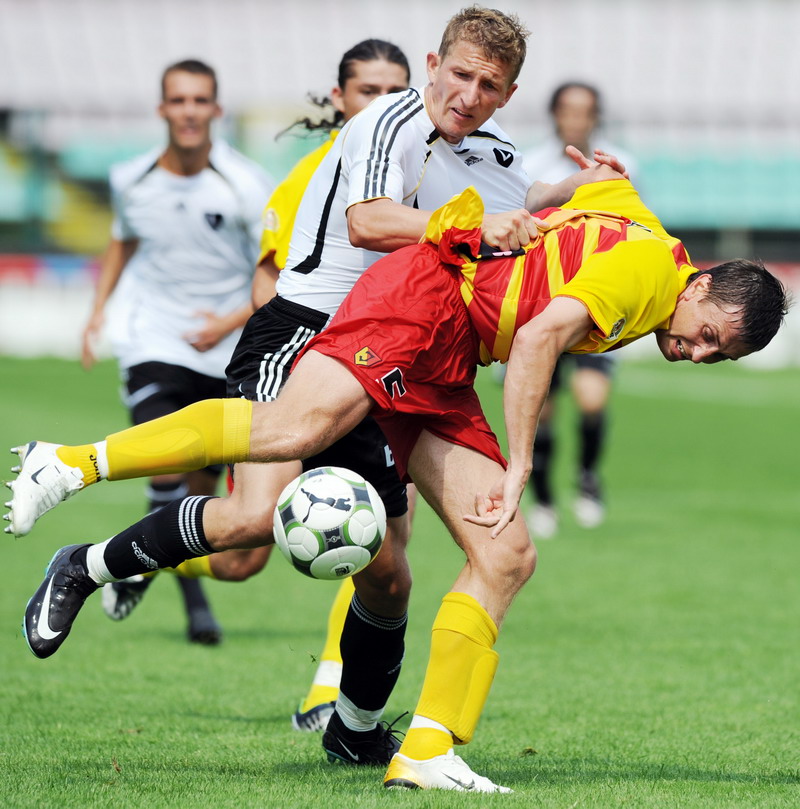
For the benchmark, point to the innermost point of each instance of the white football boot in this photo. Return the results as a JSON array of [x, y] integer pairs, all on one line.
[[440, 772], [43, 481], [120, 598], [542, 521]]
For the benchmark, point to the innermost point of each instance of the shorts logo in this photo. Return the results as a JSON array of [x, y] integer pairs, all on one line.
[[366, 357], [393, 382], [215, 220], [616, 330], [504, 158]]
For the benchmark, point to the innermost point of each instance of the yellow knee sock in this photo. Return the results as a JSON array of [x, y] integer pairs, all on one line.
[[460, 672], [198, 567], [208, 432], [322, 689]]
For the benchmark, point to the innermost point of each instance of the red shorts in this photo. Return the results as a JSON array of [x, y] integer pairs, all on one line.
[[405, 334]]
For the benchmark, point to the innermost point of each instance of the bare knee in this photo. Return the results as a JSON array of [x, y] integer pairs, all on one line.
[[239, 565], [385, 586], [509, 564], [237, 525]]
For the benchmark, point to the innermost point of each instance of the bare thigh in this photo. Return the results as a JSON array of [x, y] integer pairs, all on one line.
[[448, 477]]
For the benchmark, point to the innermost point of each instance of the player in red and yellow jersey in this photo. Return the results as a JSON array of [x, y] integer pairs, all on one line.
[[404, 347]]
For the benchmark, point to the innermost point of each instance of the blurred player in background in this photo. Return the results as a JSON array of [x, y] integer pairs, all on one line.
[[575, 108], [181, 257], [370, 69]]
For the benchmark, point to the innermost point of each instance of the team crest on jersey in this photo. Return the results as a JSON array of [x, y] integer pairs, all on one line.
[[504, 158], [366, 357], [270, 220], [616, 330], [215, 220]]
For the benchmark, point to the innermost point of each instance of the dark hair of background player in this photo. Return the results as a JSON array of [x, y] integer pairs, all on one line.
[[367, 51]]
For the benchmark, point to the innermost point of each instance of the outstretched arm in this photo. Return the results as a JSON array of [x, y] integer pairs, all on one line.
[[536, 349], [603, 167], [384, 225]]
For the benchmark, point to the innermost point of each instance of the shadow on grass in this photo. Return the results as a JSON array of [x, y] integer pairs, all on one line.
[[583, 770], [294, 637]]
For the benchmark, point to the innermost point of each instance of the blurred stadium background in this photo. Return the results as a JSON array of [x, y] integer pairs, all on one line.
[[701, 91]]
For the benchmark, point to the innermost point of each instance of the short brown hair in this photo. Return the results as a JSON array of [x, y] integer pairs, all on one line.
[[500, 36], [761, 298], [189, 66]]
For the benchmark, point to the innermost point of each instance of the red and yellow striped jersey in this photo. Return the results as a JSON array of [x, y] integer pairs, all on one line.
[[604, 248]]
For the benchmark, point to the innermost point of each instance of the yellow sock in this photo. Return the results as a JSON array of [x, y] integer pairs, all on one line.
[[208, 432], [322, 690], [424, 743], [339, 608], [460, 671], [198, 567], [85, 458]]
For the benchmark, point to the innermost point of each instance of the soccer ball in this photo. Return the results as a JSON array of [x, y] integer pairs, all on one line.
[[329, 523]]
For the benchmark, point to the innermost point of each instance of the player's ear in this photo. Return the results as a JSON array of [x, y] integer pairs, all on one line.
[[510, 92], [697, 288], [218, 111], [337, 100], [433, 63]]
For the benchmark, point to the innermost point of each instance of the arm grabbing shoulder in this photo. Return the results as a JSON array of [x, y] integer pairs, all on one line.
[[543, 195]]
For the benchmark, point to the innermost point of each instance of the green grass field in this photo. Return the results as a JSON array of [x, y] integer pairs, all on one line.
[[652, 662]]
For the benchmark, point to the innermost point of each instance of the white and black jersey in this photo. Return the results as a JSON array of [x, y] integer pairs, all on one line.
[[197, 249], [390, 150]]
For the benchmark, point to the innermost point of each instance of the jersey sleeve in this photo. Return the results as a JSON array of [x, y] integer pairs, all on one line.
[[378, 153], [279, 213], [620, 197], [120, 228], [628, 291]]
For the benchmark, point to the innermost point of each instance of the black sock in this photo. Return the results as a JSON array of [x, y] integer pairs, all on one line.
[[592, 427], [162, 494], [372, 652], [194, 598], [542, 463], [164, 538]]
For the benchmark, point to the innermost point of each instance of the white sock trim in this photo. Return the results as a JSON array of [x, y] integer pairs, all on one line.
[[96, 565], [418, 721], [102, 459], [356, 718], [329, 673]]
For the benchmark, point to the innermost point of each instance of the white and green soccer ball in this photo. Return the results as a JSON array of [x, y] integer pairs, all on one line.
[[329, 523]]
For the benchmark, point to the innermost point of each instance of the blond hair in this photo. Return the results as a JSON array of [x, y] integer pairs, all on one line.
[[500, 36]]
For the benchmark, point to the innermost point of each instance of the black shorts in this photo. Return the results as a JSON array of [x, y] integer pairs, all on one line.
[[155, 389], [259, 367], [602, 363]]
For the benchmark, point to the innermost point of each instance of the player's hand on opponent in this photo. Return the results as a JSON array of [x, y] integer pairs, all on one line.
[[499, 507], [600, 158], [510, 230], [91, 336], [213, 330]]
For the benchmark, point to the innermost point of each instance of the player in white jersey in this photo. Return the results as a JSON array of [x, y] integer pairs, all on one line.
[[398, 152], [575, 108], [181, 257], [390, 151], [380, 209]]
